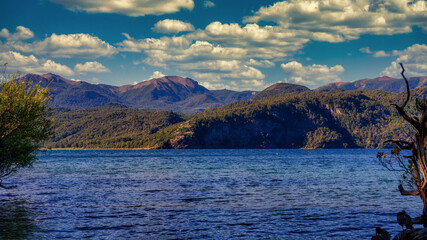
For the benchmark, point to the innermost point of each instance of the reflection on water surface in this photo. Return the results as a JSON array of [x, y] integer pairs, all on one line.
[[17, 218]]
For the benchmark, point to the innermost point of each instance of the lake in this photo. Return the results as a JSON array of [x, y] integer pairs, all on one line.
[[203, 194]]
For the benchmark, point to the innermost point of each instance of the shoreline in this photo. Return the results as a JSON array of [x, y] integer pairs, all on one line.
[[87, 149]]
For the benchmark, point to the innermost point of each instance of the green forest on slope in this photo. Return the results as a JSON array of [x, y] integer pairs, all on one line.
[[326, 119], [334, 119], [111, 126]]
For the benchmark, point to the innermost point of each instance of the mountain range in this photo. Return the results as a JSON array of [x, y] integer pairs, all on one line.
[[309, 119], [281, 116], [166, 93], [186, 95], [388, 84]]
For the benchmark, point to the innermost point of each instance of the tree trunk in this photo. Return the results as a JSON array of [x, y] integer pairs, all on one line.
[[418, 168]]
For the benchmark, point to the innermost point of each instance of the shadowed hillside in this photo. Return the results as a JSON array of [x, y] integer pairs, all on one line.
[[350, 119]]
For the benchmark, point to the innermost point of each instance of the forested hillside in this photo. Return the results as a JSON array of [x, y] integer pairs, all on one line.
[[279, 90], [330, 119], [326, 119], [111, 126]]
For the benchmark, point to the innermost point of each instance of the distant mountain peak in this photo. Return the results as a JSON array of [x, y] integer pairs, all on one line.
[[48, 75], [385, 83], [32, 76], [163, 83], [279, 89], [54, 77], [385, 78], [285, 86], [188, 82], [167, 93], [181, 80]]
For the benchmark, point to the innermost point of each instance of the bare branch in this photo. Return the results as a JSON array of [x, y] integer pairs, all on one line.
[[400, 109], [400, 143], [405, 116], [408, 91], [390, 165]]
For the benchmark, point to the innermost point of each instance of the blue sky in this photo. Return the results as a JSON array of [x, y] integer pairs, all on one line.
[[236, 44]]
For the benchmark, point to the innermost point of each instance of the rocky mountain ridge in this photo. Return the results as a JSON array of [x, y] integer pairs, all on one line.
[[186, 95], [385, 83], [166, 93]]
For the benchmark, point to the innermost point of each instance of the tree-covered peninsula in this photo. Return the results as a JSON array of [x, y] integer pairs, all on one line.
[[307, 119]]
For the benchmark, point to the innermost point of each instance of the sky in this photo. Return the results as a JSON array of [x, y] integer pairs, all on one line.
[[222, 44]]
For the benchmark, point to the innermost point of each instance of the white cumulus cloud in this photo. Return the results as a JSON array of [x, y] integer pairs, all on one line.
[[381, 54], [22, 33], [78, 45], [134, 8], [246, 72], [31, 64], [337, 21], [138, 45], [208, 4], [366, 50], [205, 61], [254, 84], [72, 45], [260, 63], [199, 55], [376, 54], [312, 75], [157, 74], [414, 59], [172, 26], [94, 67], [267, 42], [214, 85]]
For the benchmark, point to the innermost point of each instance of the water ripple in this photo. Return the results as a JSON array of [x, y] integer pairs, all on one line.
[[203, 194]]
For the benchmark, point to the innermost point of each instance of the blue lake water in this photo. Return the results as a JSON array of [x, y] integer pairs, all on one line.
[[203, 194]]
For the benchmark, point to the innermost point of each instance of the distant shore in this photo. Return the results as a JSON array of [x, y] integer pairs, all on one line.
[[87, 149], [56, 149]]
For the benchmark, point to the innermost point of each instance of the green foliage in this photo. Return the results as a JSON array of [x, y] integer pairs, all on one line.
[[161, 139], [279, 90], [322, 138], [333, 119], [25, 123], [110, 126]]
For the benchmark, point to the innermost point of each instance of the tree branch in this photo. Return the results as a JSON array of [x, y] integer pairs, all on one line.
[[400, 109], [4, 111], [408, 91], [399, 143], [13, 129], [389, 165], [405, 116]]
